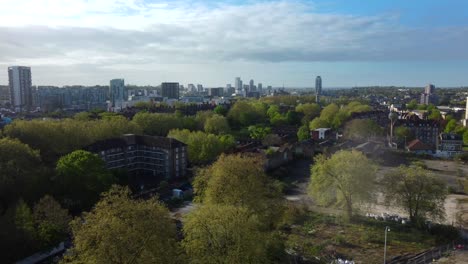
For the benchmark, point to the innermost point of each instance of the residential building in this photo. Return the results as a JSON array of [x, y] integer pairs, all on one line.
[[200, 88], [170, 90], [450, 145], [147, 159], [427, 131], [117, 93], [419, 147], [318, 88], [19, 78], [429, 96], [321, 134], [4, 95], [216, 92]]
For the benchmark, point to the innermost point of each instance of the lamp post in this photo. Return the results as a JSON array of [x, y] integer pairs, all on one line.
[[387, 229]]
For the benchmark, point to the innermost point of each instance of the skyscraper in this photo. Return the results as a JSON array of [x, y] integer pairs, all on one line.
[[251, 86], [117, 93], [318, 88], [238, 84], [170, 90], [19, 79], [260, 87]]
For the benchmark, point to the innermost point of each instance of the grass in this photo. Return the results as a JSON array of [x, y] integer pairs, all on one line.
[[361, 240]]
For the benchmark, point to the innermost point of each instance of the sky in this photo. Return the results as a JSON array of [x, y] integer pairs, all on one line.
[[146, 42]]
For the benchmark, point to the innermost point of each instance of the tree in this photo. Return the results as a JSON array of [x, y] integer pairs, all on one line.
[[51, 221], [361, 129], [310, 111], [303, 133], [238, 181], [46, 225], [414, 189], [451, 125], [220, 110], [121, 229], [224, 234], [24, 219], [345, 179], [202, 147], [259, 132], [293, 118], [271, 140], [21, 172], [245, 113], [81, 177], [404, 133], [318, 123], [412, 105], [217, 124]]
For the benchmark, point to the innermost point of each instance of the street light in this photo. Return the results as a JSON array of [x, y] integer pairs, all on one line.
[[387, 229]]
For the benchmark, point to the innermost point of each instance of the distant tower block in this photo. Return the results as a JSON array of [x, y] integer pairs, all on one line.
[[318, 88], [465, 121]]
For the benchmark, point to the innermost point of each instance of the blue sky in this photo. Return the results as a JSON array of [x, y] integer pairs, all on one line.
[[347, 42]]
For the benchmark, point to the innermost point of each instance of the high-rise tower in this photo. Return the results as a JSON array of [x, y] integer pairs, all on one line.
[[117, 93], [19, 79], [318, 88]]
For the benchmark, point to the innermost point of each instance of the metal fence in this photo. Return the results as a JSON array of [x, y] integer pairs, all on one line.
[[424, 257]]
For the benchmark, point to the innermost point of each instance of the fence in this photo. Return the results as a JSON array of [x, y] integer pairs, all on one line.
[[424, 257]]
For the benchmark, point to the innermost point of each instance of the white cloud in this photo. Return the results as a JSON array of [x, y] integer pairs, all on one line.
[[135, 34]]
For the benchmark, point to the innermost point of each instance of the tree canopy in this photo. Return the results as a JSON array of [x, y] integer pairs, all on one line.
[[81, 177], [218, 233], [203, 147], [239, 181], [20, 172], [345, 179], [414, 189], [121, 229]]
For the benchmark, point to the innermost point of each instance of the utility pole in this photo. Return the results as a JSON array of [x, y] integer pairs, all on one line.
[[387, 229]]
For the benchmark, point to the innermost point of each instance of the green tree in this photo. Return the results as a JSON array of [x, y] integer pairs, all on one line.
[[403, 133], [203, 147], [51, 222], [345, 179], [217, 124], [245, 113], [293, 118], [239, 181], [224, 234], [24, 219], [21, 172], [303, 133], [81, 177], [414, 189], [310, 111], [220, 110], [412, 105], [259, 132], [361, 129], [318, 123], [121, 229], [451, 126]]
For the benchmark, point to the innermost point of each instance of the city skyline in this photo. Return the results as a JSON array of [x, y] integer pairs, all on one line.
[[349, 43]]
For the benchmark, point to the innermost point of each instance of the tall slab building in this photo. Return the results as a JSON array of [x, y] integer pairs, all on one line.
[[19, 79], [117, 93], [318, 88]]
